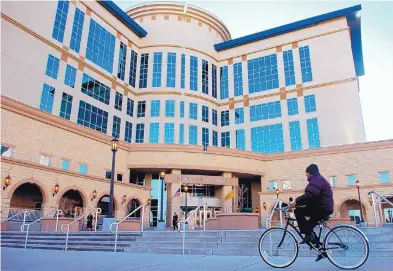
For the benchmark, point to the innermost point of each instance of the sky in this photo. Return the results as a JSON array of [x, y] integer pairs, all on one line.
[[376, 86]]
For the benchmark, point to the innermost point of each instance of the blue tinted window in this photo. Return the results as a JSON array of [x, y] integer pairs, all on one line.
[[183, 71], [119, 101], [171, 70], [60, 20], [205, 77], [155, 108], [100, 46], [181, 135], [267, 139], [48, 92], [116, 127], [194, 73], [65, 165], [70, 76], [128, 132], [143, 71], [305, 64], [182, 109], [225, 139], [193, 111], [292, 106], [141, 109], [289, 68], [351, 180], [384, 177], [239, 115], [170, 108], [133, 65], [265, 111], [295, 135], [82, 169], [92, 117], [66, 106], [205, 136], [225, 118], [52, 66], [215, 138], [121, 68], [272, 185], [157, 68], [309, 103], [205, 113], [140, 133], [154, 132], [169, 133], [224, 82], [130, 107], [240, 140], [238, 79], [214, 81], [193, 135], [262, 73], [313, 133], [214, 117], [77, 28], [95, 89]]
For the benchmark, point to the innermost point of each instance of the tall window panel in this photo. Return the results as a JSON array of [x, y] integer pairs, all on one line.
[[183, 71], [305, 64], [310, 104], [95, 89], [130, 107], [119, 101], [262, 73], [170, 108], [225, 139], [92, 117], [215, 138], [77, 28], [155, 108], [128, 132], [121, 68], [295, 135], [194, 73], [133, 65], [225, 118], [52, 66], [240, 139], [214, 117], [214, 81], [239, 115], [100, 46], [169, 133], [205, 136], [48, 93], [205, 76], [171, 70], [224, 93], [267, 139], [157, 69], [181, 133], [181, 109], [265, 111], [154, 132], [238, 78], [313, 133], [143, 71], [193, 111], [66, 106], [116, 127], [289, 68], [60, 20], [141, 109], [70, 76], [140, 133], [193, 135], [205, 113], [292, 106]]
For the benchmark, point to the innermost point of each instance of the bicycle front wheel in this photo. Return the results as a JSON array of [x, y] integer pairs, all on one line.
[[346, 247], [278, 247]]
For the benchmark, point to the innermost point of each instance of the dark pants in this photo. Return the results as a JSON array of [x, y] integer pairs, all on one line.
[[175, 225], [314, 212]]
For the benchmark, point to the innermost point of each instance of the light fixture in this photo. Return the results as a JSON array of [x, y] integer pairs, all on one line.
[[256, 210], [94, 195], [162, 174], [357, 183], [186, 188], [148, 202], [56, 189], [277, 192], [264, 205], [114, 144], [124, 199], [7, 182]]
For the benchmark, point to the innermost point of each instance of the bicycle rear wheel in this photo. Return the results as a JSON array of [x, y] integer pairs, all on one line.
[[278, 247], [346, 247]]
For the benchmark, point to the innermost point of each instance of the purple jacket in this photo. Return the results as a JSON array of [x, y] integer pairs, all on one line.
[[318, 192]]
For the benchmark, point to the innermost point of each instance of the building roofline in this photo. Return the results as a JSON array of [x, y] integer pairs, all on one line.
[[353, 23]]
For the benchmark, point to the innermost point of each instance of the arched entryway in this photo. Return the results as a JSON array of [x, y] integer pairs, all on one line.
[[71, 203], [351, 208], [27, 196], [103, 203], [133, 204]]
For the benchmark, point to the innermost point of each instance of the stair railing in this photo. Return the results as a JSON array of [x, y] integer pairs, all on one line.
[[277, 204], [376, 201], [127, 216], [25, 214]]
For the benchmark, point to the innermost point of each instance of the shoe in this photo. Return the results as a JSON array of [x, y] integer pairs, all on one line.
[[308, 239], [321, 256]]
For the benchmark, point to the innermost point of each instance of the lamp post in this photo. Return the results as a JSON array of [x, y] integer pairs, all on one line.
[[161, 221], [277, 192], [185, 215], [360, 203], [7, 182]]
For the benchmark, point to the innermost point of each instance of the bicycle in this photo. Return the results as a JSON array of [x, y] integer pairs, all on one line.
[[341, 244]]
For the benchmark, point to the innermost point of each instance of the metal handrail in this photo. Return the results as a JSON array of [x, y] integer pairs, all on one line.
[[118, 223], [204, 204], [382, 199], [22, 227], [98, 211], [26, 213], [269, 219]]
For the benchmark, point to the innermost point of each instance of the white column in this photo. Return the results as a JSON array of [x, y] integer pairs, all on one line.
[[247, 128], [164, 68], [297, 68], [303, 123], [245, 77], [231, 87], [127, 68], [150, 70], [116, 58], [85, 35], [285, 125], [69, 25], [281, 70]]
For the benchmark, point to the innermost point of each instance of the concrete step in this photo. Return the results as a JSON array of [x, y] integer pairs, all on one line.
[[71, 243], [179, 239], [71, 238], [172, 245], [83, 233], [188, 251], [57, 247]]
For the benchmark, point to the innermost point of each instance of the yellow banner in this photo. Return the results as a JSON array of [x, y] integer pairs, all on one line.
[[229, 196]]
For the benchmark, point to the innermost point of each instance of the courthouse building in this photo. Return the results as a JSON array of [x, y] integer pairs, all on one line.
[[205, 112]]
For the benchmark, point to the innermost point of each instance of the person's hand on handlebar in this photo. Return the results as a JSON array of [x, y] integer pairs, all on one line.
[[293, 204]]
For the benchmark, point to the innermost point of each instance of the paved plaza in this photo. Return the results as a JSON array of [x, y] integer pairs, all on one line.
[[47, 260]]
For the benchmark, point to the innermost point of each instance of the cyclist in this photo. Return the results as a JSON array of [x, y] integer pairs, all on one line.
[[316, 203]]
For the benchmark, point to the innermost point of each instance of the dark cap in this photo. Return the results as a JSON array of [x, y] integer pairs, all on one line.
[[312, 169]]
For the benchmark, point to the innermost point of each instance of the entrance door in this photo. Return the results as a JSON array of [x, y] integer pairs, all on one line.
[[200, 216]]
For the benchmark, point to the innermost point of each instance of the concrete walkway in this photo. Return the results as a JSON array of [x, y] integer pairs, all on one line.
[[13, 259]]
